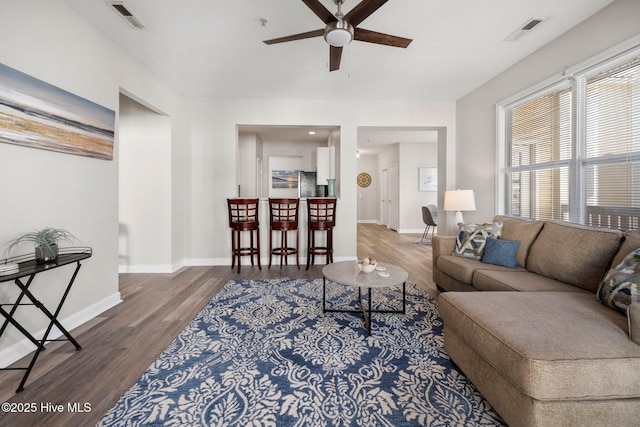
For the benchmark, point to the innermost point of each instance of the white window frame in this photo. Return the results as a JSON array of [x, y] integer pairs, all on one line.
[[576, 78]]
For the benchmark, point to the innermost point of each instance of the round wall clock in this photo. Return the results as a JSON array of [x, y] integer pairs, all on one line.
[[364, 179]]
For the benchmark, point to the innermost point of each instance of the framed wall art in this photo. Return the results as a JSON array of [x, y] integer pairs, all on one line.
[[428, 179], [37, 114]]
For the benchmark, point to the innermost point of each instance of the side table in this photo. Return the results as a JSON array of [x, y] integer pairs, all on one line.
[[28, 268]]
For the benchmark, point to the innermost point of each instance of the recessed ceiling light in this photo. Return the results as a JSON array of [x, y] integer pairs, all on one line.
[[312, 132]]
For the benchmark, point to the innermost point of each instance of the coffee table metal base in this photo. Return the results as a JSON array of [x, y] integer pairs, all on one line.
[[366, 312]]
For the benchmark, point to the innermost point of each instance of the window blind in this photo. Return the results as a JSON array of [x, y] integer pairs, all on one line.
[[612, 148], [572, 152], [540, 149]]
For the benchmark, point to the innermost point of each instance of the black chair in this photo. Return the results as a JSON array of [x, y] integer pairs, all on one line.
[[243, 216], [429, 221], [283, 217]]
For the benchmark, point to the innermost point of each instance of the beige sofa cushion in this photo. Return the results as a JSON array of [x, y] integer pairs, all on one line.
[[551, 345], [523, 230], [573, 254], [634, 322], [522, 281], [631, 243], [462, 269]]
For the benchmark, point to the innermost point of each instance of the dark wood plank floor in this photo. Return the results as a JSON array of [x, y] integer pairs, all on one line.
[[120, 344]]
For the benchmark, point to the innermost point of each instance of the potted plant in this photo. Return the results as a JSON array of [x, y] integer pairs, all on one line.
[[45, 241]]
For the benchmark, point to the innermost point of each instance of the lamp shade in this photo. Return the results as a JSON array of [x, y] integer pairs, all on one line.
[[459, 200]]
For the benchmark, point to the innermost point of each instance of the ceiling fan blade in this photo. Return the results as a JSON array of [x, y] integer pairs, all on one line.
[[363, 10], [307, 35], [321, 11], [369, 36], [335, 54]]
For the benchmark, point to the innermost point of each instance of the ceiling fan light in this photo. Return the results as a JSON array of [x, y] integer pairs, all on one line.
[[339, 33]]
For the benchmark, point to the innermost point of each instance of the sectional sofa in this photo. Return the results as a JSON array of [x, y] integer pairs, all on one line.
[[534, 337]]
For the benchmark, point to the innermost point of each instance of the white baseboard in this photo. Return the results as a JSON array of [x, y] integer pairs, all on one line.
[[151, 268], [367, 221], [23, 347]]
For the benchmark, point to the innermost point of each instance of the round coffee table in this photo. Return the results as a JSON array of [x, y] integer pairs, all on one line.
[[347, 273]]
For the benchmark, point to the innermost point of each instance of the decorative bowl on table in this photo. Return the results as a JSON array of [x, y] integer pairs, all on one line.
[[368, 264], [368, 268]]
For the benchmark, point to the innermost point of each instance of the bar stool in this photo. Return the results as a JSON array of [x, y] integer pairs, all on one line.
[[322, 217], [283, 217], [243, 216]]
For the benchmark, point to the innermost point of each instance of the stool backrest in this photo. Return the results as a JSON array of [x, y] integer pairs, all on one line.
[[284, 212], [242, 211], [322, 211]]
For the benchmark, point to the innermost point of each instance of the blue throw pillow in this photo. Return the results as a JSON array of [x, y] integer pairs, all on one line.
[[500, 252]]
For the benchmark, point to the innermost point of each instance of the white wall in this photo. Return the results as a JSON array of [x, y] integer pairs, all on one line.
[[46, 40], [369, 197], [412, 157], [213, 125], [144, 189], [475, 118], [247, 158]]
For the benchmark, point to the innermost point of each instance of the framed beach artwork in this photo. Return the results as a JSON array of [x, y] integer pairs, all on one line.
[[36, 114], [428, 179], [284, 179], [281, 178]]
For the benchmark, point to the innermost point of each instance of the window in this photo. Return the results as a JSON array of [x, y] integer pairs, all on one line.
[[571, 151]]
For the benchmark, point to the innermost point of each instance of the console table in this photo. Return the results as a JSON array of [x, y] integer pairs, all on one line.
[[29, 269]]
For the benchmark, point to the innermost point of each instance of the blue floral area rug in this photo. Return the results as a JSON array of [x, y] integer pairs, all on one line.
[[263, 353]]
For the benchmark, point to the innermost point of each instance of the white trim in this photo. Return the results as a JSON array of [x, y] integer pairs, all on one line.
[[23, 347], [150, 268], [367, 221], [571, 77], [196, 262]]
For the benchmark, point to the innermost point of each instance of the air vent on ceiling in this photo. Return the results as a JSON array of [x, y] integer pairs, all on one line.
[[125, 13], [525, 28]]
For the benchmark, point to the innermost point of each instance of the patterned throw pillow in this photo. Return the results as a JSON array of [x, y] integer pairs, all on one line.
[[472, 238], [621, 285]]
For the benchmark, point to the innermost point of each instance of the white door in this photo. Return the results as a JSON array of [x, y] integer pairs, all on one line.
[[394, 196], [384, 198]]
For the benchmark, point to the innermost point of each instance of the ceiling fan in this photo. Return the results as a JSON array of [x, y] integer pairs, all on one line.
[[341, 29]]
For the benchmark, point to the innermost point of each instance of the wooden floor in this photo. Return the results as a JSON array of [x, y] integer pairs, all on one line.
[[120, 344]]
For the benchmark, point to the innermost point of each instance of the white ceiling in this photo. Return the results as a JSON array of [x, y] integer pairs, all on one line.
[[213, 48]]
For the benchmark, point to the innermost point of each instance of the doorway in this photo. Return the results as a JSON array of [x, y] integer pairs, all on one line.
[[144, 189], [396, 155]]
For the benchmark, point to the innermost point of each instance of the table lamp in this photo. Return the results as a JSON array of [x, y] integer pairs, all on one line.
[[459, 200]]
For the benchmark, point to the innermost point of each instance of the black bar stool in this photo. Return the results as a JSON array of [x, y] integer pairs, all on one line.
[[243, 216], [322, 217], [283, 217]]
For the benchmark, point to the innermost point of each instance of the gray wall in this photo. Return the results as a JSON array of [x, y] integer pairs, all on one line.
[[475, 113]]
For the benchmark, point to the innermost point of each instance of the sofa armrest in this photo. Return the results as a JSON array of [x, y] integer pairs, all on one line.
[[441, 245], [633, 315]]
